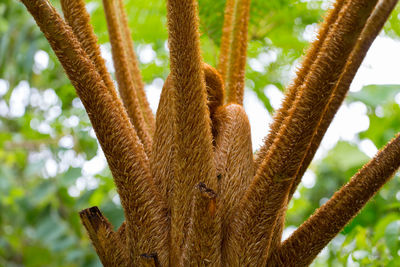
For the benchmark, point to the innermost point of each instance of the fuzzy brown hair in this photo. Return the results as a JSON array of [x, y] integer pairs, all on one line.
[[191, 191]]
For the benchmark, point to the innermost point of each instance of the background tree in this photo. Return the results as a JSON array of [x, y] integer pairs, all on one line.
[[63, 207]]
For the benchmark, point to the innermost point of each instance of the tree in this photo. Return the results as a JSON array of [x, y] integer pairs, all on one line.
[[215, 205]]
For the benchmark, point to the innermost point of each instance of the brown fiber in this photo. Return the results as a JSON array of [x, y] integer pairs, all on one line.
[[134, 69], [79, 20], [125, 155], [163, 142], [107, 243], [191, 191], [233, 159], [275, 174], [226, 39], [194, 161], [368, 35], [301, 74], [126, 85], [313, 235], [235, 77]]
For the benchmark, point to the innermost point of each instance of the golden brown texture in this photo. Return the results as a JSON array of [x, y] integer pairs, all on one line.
[[312, 236], [198, 201], [194, 161], [235, 77], [233, 159], [163, 142], [126, 85], [78, 19], [265, 198], [301, 74], [163, 157], [226, 38], [372, 28], [125, 155], [134, 68], [107, 243]]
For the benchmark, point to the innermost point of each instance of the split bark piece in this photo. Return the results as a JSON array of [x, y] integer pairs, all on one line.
[[371, 30], [284, 157], [194, 162], [235, 77], [126, 85], [145, 213], [107, 243], [134, 69], [226, 39], [233, 160], [301, 74], [312, 236]]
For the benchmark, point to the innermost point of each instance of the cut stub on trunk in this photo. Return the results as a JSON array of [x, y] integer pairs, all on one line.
[[108, 245]]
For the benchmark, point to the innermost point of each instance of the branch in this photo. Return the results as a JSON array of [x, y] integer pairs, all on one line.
[[292, 90], [164, 150], [163, 156], [79, 20], [107, 243], [368, 35], [277, 171], [194, 162], [235, 77], [126, 85], [233, 159], [372, 28], [144, 211], [226, 39], [312, 236], [134, 69]]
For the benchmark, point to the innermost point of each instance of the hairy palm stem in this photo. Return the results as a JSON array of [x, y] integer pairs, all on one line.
[[193, 139], [236, 67], [226, 38], [126, 85], [267, 194], [125, 155], [368, 35], [301, 74], [313, 235], [134, 69]]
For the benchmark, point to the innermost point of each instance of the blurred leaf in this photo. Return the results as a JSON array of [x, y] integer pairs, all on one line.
[[374, 95]]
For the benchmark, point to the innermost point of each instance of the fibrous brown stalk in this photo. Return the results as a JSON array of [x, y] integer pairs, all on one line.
[[233, 160], [193, 139], [236, 61], [193, 195], [301, 74], [163, 155], [134, 68], [125, 155], [268, 192], [123, 74], [367, 36], [78, 19], [311, 237], [226, 38]]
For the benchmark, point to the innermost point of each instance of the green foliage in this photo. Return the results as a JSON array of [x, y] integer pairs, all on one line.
[[48, 150]]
